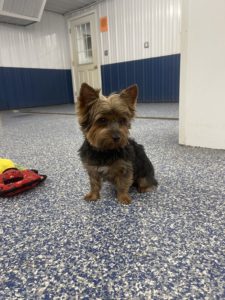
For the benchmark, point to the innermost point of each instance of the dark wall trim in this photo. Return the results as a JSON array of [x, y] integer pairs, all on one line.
[[158, 78], [25, 87]]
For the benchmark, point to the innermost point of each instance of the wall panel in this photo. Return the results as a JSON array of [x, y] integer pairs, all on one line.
[[27, 87], [41, 45], [131, 24], [161, 74], [35, 64], [202, 98]]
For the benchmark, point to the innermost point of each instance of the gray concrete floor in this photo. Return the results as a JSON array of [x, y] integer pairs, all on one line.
[[168, 244], [154, 110]]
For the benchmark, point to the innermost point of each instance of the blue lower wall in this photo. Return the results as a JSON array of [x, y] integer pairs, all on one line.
[[22, 87], [158, 78]]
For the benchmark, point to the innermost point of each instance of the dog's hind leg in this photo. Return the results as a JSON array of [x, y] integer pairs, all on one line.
[[145, 185]]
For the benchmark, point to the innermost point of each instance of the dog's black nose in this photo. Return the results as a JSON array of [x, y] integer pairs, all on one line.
[[116, 137]]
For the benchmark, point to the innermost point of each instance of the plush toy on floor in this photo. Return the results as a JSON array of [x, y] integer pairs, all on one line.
[[15, 179]]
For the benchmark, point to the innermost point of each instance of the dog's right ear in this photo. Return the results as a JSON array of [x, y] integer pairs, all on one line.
[[88, 95], [87, 98]]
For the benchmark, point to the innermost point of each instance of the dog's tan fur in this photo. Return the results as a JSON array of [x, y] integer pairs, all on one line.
[[105, 123]]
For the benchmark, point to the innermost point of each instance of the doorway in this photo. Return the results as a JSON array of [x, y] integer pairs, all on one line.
[[84, 51]]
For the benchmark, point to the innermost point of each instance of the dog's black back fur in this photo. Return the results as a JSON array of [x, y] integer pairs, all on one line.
[[134, 152]]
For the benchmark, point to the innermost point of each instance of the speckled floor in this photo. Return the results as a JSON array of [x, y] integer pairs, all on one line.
[[168, 244], [149, 110]]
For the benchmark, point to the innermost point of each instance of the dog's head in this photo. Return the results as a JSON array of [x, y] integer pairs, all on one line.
[[105, 121]]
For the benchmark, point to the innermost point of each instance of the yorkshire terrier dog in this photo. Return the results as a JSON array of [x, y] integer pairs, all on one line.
[[107, 152]]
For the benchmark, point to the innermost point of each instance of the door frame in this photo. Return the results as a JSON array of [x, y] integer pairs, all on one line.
[[69, 21]]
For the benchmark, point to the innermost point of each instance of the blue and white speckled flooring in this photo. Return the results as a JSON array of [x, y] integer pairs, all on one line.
[[168, 244], [152, 110]]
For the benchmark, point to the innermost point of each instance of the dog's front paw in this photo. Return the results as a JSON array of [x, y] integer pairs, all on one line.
[[92, 196], [124, 199]]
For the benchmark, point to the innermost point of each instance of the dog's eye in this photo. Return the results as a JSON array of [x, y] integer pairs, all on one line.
[[122, 121], [102, 121]]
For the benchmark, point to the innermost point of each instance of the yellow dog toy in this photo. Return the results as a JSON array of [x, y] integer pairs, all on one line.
[[6, 164]]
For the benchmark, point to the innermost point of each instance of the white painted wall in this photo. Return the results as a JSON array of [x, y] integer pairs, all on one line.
[[202, 93], [40, 45], [132, 22]]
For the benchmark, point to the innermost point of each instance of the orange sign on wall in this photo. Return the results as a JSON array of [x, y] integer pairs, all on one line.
[[104, 24]]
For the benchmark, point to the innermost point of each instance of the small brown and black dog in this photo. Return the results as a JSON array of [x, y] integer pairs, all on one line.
[[107, 152]]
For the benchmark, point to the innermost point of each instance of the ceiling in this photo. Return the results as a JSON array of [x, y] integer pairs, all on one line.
[[21, 12], [66, 6], [26, 12]]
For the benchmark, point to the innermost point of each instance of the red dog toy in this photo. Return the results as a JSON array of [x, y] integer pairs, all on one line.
[[14, 181]]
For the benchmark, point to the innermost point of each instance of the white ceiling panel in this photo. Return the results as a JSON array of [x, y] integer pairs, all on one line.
[[23, 7], [21, 12], [66, 6], [15, 21], [25, 12]]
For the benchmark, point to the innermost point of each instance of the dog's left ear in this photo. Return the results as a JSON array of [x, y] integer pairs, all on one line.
[[130, 95]]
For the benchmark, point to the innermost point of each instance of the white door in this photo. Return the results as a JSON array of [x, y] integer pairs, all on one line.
[[84, 51]]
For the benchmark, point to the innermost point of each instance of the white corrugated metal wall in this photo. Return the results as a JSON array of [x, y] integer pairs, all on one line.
[[133, 22], [44, 46], [41, 45], [35, 63]]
